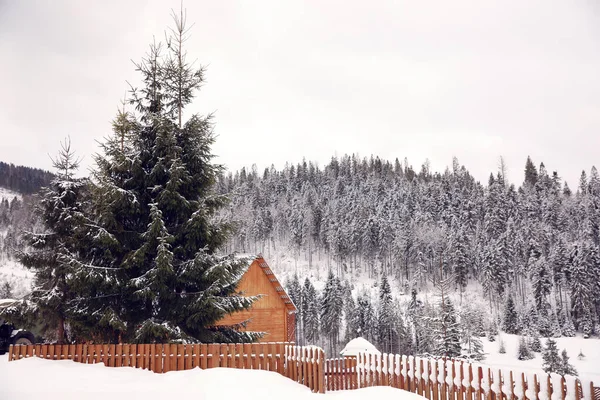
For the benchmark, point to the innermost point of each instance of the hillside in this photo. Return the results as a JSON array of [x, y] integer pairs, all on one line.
[[365, 246], [17, 184]]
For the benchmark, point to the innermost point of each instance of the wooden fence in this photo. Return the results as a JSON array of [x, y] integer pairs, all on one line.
[[341, 374], [302, 364], [432, 378], [455, 379]]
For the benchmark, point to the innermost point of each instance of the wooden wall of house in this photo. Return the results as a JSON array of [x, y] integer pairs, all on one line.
[[268, 314]]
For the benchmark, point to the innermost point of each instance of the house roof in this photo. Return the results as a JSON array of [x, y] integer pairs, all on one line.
[[289, 304]]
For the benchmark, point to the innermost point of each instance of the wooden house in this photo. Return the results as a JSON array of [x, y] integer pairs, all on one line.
[[274, 313]]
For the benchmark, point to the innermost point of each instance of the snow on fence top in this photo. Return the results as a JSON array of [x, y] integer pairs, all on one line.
[[468, 381], [358, 345]]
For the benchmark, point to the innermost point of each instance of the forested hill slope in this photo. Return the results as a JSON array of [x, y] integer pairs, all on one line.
[[24, 180], [538, 241]]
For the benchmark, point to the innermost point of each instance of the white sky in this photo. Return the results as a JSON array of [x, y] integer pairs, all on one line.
[[475, 79]]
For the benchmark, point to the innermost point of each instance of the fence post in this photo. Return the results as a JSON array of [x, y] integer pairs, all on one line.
[[321, 371]]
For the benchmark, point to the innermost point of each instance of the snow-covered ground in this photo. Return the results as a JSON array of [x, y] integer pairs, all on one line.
[[19, 277], [34, 379], [588, 368], [9, 194]]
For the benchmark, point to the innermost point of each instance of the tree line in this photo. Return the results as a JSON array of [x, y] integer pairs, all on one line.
[[538, 241]]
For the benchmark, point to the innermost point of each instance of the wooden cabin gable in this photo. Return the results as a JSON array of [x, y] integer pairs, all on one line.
[[273, 313], [256, 282]]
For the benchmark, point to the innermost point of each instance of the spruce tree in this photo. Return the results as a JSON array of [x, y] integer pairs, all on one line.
[[472, 345], [568, 329], [447, 331], [502, 347], [535, 344], [550, 358], [365, 319], [311, 313], [60, 210], [331, 311], [523, 352], [295, 293], [565, 368], [583, 257], [510, 316], [149, 268], [385, 317], [531, 174]]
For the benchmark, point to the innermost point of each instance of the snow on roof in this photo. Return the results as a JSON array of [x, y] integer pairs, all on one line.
[[359, 345]]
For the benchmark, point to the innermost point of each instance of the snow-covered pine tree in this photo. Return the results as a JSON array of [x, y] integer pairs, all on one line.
[[350, 318], [568, 328], [295, 293], [510, 316], [542, 284], [502, 347], [523, 352], [583, 257], [311, 313], [385, 317], [460, 260], [472, 346], [535, 344], [565, 368], [531, 174], [149, 268], [6, 290], [331, 311], [365, 318], [447, 331], [550, 358], [555, 330], [60, 210]]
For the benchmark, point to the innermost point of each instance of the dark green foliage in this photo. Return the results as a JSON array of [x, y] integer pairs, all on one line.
[[23, 180], [510, 316], [551, 361], [531, 174], [60, 209], [148, 268]]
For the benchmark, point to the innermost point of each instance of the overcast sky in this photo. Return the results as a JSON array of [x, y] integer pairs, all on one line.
[[475, 79]]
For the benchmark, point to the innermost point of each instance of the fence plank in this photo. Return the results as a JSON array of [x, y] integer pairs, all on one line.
[[300, 355], [117, 355], [202, 355], [309, 368], [126, 358], [164, 357], [318, 366], [149, 362], [179, 353]]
